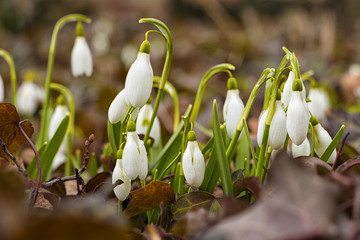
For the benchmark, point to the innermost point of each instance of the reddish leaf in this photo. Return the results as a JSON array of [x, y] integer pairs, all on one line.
[[351, 165], [240, 184], [314, 164], [192, 201], [149, 197], [99, 179]]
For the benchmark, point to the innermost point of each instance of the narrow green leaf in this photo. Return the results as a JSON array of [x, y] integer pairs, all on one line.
[[221, 154], [160, 175], [114, 138], [52, 147], [178, 183], [93, 165], [32, 168], [325, 156]]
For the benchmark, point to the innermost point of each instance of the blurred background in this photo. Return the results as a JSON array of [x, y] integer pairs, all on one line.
[[324, 34]]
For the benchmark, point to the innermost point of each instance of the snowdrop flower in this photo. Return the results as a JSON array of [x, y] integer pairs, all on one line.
[[233, 107], [277, 131], [2, 90], [322, 140], [297, 114], [193, 162], [320, 103], [287, 91], [139, 80], [143, 120], [303, 149], [119, 107], [29, 96], [81, 59], [121, 191], [134, 154], [59, 114]]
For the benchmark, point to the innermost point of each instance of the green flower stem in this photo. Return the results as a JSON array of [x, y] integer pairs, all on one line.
[[266, 74], [71, 128], [165, 33], [170, 89], [9, 59], [267, 164], [60, 23], [224, 67], [124, 125]]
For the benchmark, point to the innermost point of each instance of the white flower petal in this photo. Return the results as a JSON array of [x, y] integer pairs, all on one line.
[[28, 97], [143, 163], [320, 103], [118, 108], [81, 59], [303, 149], [139, 80], [121, 191], [59, 114], [2, 90], [145, 114], [287, 91], [261, 126], [193, 164], [297, 118], [277, 131], [323, 140], [232, 111]]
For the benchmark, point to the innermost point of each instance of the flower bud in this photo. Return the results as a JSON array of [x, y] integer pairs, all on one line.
[[29, 96], [81, 59], [286, 95], [193, 162], [233, 108], [119, 107], [277, 131], [143, 121], [139, 80], [320, 103], [322, 141], [121, 191]]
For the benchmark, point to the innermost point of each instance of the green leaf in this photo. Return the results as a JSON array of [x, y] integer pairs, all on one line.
[[220, 150], [93, 165], [114, 138], [52, 147], [160, 175], [325, 156], [32, 168]]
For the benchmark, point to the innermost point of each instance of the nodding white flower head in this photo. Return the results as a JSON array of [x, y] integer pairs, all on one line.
[[121, 191], [2, 90], [29, 96], [134, 154], [81, 59], [261, 126], [303, 149], [233, 107], [139, 80], [59, 114], [143, 121], [287, 91], [322, 140], [297, 115], [119, 107], [320, 103], [193, 162], [277, 131]]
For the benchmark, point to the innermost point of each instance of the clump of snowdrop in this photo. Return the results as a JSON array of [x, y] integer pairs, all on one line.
[[122, 190], [233, 107], [139, 80], [143, 121], [134, 155], [58, 116], [297, 114], [322, 140], [29, 96], [193, 162], [81, 59]]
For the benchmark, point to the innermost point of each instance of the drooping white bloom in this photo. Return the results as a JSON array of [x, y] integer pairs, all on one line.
[[134, 155], [287, 91], [59, 114], [139, 80], [261, 126], [143, 121], [119, 107], [232, 111], [298, 115], [277, 131], [193, 163], [81, 59], [29, 96], [303, 149], [322, 141], [320, 103], [121, 191], [2, 90]]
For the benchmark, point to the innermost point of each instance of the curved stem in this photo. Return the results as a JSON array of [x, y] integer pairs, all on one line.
[[70, 131], [9, 59], [266, 74], [60, 23], [38, 180], [223, 67], [170, 89], [165, 33]]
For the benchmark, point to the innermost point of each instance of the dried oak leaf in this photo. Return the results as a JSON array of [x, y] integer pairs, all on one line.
[[298, 204], [9, 132]]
